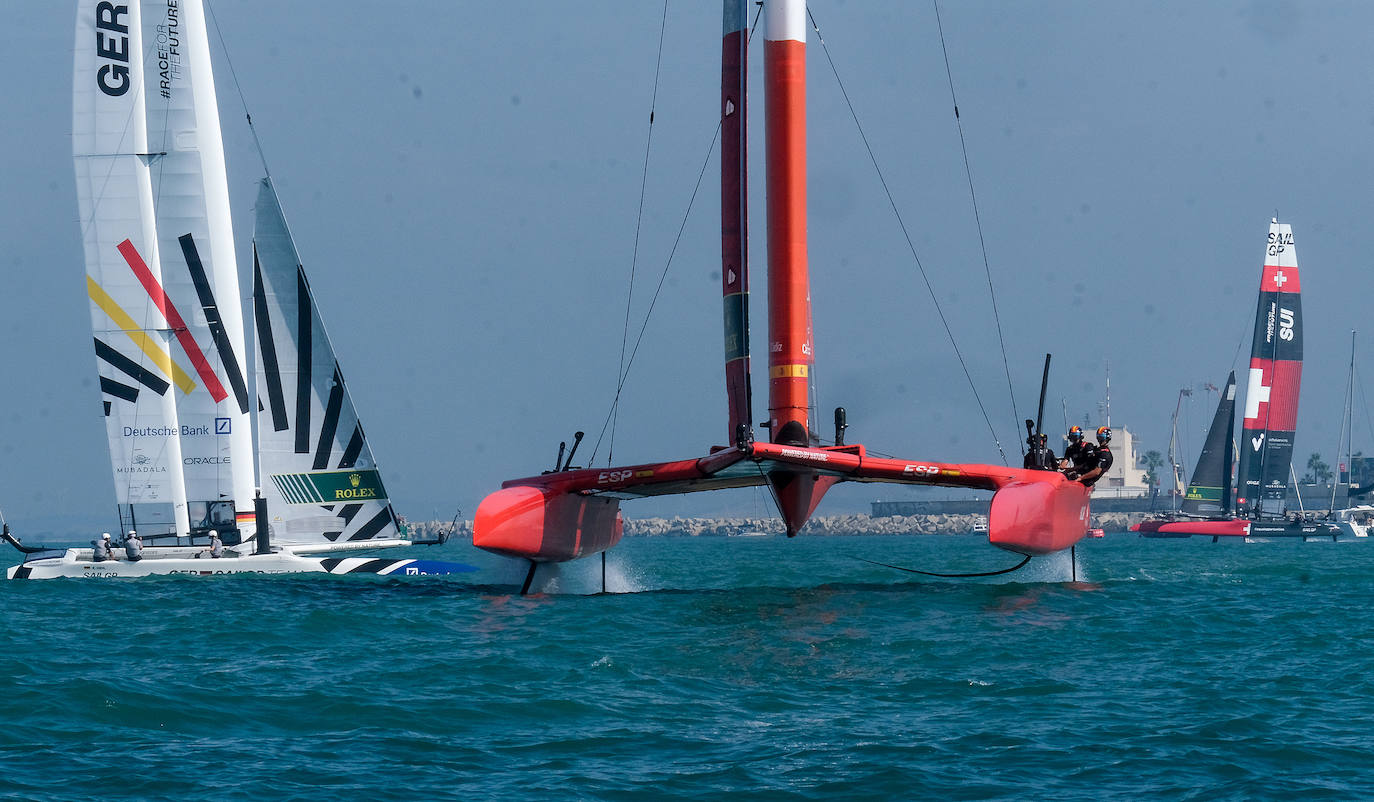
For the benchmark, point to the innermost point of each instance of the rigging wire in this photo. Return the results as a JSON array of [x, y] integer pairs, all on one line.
[[219, 32], [1347, 427], [892, 202], [977, 218], [624, 372], [691, 202], [622, 369]]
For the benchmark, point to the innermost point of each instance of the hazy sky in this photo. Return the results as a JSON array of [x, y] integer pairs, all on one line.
[[463, 178]]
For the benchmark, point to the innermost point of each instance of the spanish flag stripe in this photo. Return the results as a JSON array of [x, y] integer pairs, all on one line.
[[789, 371]]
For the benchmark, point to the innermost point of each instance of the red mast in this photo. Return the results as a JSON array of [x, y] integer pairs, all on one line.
[[790, 351], [734, 216]]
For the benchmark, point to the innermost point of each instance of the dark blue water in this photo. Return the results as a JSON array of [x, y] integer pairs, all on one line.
[[757, 668]]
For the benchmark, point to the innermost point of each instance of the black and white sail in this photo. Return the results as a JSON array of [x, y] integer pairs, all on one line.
[[318, 474]]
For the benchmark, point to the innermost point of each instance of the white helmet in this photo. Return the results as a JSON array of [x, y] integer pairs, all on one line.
[[132, 533], [105, 536]]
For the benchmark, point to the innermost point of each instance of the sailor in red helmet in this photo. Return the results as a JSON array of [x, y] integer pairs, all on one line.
[[1079, 456], [1101, 457]]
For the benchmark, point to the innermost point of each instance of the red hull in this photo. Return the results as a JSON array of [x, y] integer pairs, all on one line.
[[543, 525], [1163, 528], [1038, 517]]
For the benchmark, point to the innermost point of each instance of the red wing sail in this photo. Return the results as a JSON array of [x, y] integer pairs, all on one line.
[[734, 217], [569, 514], [1271, 396]]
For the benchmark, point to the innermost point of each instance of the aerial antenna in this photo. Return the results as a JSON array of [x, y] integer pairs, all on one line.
[[1109, 394]]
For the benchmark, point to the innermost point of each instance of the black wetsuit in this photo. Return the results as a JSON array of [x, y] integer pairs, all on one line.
[[1082, 458], [1041, 459], [1102, 458]]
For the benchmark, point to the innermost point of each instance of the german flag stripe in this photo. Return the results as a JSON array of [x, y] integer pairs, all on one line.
[[175, 320], [303, 353], [325, 446], [146, 344], [270, 368], [349, 511], [355, 447], [227, 357], [130, 368], [118, 390], [372, 527]]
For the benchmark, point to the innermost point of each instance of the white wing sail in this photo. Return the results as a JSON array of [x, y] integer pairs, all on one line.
[[200, 271], [319, 477], [161, 272], [140, 374]]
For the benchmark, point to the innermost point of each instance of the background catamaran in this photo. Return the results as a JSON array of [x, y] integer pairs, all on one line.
[[162, 277], [1271, 415], [572, 513]]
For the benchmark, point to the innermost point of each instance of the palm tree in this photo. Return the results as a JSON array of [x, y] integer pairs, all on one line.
[[1317, 470], [1153, 461]]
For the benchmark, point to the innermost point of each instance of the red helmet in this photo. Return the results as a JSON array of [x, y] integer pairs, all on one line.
[[1104, 434], [1075, 434]]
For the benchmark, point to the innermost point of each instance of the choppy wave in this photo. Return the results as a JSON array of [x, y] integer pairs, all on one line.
[[751, 667]]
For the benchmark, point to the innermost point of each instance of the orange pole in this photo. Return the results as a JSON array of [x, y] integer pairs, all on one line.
[[790, 350]]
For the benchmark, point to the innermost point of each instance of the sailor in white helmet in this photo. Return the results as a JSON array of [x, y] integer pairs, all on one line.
[[133, 547]]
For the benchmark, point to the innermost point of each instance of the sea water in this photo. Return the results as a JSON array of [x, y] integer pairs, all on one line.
[[754, 668]]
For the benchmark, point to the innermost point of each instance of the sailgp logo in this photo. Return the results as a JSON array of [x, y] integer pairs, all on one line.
[[1257, 442]]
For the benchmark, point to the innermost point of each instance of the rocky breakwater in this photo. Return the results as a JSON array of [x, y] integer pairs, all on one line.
[[821, 525], [838, 525]]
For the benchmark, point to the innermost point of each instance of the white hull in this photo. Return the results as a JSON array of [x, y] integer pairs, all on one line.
[[1349, 529], [174, 561]]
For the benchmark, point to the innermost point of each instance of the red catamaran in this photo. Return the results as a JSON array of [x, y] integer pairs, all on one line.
[[573, 513]]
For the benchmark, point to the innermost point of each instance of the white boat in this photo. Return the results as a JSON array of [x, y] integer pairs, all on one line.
[[1355, 521], [195, 561], [162, 277]]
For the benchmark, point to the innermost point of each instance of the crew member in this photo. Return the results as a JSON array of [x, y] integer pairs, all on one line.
[[1103, 457], [216, 548], [1038, 455], [1079, 457], [133, 547], [102, 548]]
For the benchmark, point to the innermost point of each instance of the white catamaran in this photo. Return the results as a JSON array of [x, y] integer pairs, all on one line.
[[162, 277]]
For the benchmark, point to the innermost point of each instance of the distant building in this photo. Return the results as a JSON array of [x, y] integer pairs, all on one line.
[[1125, 478]]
